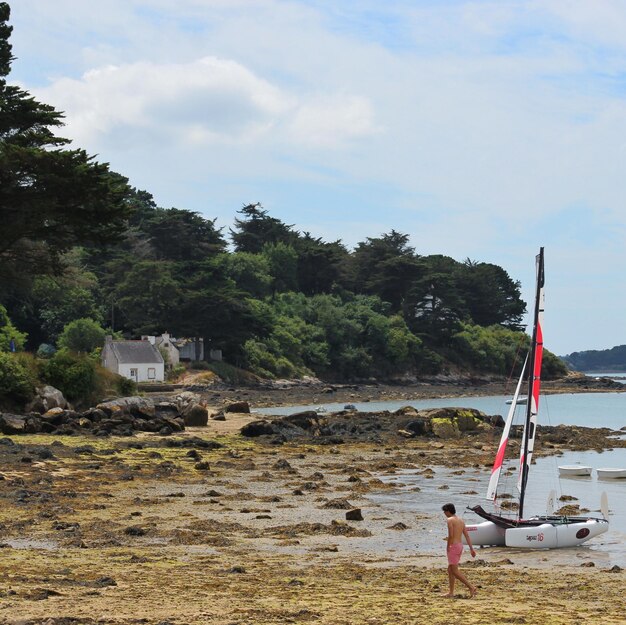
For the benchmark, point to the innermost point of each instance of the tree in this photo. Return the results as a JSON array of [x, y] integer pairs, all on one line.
[[386, 266], [148, 298], [257, 229], [250, 272], [283, 265], [183, 235], [321, 266], [51, 198], [82, 335], [490, 295]]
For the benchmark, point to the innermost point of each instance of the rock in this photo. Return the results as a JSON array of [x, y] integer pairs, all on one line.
[[354, 515], [338, 504], [196, 415], [241, 407], [399, 526], [306, 419], [135, 406], [12, 424], [615, 569], [47, 397], [202, 466], [257, 428], [444, 428], [588, 564], [406, 434], [418, 427], [218, 416], [135, 530]]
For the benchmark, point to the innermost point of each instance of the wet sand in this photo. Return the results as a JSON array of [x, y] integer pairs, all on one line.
[[164, 530]]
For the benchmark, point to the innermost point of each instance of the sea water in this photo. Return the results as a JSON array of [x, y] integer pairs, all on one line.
[[593, 410], [421, 509]]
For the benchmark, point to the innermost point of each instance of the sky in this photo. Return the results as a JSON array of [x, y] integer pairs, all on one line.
[[482, 129]]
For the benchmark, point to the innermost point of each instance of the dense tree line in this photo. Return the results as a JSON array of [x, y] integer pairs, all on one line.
[[613, 359], [81, 244]]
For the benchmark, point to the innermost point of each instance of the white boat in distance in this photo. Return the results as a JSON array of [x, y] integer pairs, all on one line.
[[521, 401], [578, 470], [612, 474]]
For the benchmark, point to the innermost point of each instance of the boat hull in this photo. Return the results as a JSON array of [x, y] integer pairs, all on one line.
[[575, 471], [611, 474], [549, 535]]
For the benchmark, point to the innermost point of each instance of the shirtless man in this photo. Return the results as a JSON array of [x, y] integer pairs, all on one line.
[[456, 530]]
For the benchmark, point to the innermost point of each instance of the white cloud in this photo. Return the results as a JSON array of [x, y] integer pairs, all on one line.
[[207, 101]]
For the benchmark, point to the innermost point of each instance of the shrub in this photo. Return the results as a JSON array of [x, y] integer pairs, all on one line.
[[72, 373], [8, 333], [17, 382], [82, 335], [45, 350]]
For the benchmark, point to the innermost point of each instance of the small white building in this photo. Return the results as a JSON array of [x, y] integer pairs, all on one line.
[[166, 344], [139, 361]]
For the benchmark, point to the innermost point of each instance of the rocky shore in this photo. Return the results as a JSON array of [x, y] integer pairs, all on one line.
[[271, 520]]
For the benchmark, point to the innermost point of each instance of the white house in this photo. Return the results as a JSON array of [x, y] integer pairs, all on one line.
[[139, 361], [166, 344]]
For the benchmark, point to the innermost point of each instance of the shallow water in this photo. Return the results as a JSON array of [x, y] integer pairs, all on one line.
[[585, 409], [606, 550]]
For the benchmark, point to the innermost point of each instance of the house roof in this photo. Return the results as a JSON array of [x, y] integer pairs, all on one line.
[[140, 352]]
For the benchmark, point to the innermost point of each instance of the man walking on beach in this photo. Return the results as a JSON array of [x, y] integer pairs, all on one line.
[[456, 530]]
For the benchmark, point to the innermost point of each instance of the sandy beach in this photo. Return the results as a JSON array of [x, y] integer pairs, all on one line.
[[210, 527]]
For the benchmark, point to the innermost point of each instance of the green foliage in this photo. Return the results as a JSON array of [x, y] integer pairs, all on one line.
[[257, 229], [82, 335], [52, 197], [250, 272], [17, 383], [231, 374], [75, 375], [125, 387], [282, 261], [8, 333], [495, 349], [552, 366]]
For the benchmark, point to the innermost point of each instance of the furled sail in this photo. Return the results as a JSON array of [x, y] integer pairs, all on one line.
[[530, 426]]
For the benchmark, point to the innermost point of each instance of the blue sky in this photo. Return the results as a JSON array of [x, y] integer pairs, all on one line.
[[481, 129]]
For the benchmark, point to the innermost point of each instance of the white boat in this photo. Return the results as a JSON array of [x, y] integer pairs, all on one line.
[[611, 474], [521, 401], [533, 532], [575, 470]]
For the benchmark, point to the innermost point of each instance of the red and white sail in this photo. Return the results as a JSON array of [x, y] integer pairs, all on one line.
[[497, 464]]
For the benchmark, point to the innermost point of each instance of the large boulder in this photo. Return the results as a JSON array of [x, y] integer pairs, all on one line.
[[12, 424], [238, 407], [196, 415], [257, 428], [445, 428], [186, 399], [46, 398], [135, 406]]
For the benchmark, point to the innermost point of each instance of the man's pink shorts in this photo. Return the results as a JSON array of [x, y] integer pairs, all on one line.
[[454, 553]]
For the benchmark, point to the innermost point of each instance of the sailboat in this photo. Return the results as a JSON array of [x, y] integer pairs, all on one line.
[[534, 532]]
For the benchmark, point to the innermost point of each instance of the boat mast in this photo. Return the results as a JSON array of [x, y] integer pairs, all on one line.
[[534, 373]]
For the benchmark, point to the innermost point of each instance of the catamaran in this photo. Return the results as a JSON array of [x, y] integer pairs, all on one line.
[[534, 532]]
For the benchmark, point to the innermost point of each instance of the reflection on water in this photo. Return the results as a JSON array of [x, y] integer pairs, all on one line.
[[468, 488]]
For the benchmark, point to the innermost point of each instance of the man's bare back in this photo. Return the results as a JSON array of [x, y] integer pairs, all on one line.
[[455, 530]]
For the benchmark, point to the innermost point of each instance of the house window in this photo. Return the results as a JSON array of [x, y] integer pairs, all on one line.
[[133, 374], [151, 373]]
